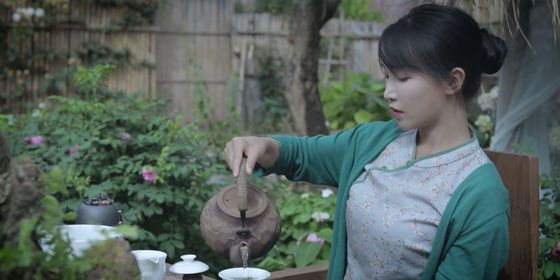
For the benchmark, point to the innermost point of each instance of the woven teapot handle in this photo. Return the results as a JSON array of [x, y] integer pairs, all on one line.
[[242, 186]]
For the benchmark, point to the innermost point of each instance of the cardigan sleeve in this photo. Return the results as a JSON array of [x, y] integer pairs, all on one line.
[[473, 237], [478, 253], [322, 159], [316, 159]]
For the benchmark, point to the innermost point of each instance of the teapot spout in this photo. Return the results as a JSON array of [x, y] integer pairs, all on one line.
[[239, 254]]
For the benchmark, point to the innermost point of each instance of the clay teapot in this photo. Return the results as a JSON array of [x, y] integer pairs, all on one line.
[[240, 218]]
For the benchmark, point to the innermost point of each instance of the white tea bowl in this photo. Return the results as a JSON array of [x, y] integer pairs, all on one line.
[[240, 273]]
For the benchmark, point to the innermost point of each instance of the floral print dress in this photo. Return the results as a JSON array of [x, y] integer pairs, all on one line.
[[395, 206]]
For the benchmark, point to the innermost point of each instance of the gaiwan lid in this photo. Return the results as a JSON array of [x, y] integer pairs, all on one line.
[[188, 266]]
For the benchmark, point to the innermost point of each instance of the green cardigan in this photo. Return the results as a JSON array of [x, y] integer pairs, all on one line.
[[472, 238]]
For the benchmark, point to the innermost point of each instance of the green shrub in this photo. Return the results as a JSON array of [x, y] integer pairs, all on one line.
[[360, 10], [549, 243], [109, 147], [307, 220], [273, 115], [32, 215], [358, 99]]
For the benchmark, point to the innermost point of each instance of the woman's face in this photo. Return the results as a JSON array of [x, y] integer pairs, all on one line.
[[415, 99]]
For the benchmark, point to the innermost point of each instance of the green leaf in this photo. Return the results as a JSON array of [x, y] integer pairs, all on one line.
[[163, 237], [53, 213], [326, 234], [178, 244], [548, 269], [159, 198], [148, 211], [363, 116], [334, 124], [25, 245], [557, 270], [302, 218], [94, 190], [54, 180], [70, 216], [325, 252], [306, 252], [128, 231], [272, 264], [349, 124]]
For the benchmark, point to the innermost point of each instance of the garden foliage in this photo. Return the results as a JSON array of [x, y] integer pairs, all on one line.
[[307, 220], [358, 99], [155, 168]]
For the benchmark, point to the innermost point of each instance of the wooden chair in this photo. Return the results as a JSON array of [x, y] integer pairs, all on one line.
[[521, 176]]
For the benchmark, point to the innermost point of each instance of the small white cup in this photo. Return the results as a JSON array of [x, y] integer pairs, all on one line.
[[249, 273], [151, 264]]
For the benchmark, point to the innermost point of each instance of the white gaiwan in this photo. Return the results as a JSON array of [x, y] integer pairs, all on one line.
[[190, 268], [249, 273]]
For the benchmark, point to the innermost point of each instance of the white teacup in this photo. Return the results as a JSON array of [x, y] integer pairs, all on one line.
[[151, 264], [240, 273]]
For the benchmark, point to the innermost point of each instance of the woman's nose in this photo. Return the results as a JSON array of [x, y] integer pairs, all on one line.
[[389, 94]]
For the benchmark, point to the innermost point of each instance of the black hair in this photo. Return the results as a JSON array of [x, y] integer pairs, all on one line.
[[434, 39]]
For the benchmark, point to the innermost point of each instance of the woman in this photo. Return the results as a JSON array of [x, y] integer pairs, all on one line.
[[417, 196]]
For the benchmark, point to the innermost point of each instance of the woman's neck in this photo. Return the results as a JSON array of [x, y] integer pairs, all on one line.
[[448, 132]]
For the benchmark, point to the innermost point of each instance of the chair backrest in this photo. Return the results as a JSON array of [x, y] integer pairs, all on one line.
[[520, 174]]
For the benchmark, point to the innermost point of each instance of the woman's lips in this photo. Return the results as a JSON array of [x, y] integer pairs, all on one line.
[[396, 113]]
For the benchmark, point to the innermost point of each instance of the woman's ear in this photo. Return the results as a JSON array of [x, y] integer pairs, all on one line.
[[456, 80]]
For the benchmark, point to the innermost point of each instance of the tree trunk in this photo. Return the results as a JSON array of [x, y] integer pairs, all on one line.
[[301, 83], [4, 154]]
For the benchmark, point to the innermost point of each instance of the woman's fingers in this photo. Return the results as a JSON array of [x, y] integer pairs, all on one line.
[[251, 161], [238, 147], [228, 155]]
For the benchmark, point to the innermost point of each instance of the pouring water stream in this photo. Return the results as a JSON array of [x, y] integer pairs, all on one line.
[[244, 254]]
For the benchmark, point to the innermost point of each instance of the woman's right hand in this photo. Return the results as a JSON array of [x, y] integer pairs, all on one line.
[[261, 150]]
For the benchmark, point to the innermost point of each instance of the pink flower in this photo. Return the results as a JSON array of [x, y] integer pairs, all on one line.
[[125, 136], [555, 252], [314, 238], [35, 140], [149, 176], [74, 150]]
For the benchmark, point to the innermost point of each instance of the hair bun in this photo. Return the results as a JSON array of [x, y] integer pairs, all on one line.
[[494, 51]]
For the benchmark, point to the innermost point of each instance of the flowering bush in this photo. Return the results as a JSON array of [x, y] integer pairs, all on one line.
[[484, 117], [152, 166], [307, 220], [27, 13], [549, 252]]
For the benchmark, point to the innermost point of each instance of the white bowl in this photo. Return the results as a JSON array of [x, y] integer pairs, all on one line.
[[81, 237], [239, 273]]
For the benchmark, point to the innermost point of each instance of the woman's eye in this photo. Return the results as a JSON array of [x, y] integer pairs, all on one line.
[[403, 79]]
